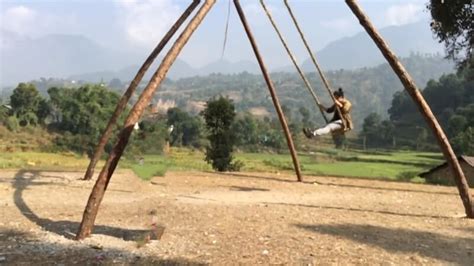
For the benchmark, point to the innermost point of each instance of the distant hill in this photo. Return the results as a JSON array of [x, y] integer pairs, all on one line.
[[77, 57], [56, 56], [180, 69], [226, 67], [360, 51]]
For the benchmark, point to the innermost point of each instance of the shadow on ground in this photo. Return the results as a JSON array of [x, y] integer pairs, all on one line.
[[20, 248], [247, 189], [24, 179], [458, 250], [313, 181], [351, 209]]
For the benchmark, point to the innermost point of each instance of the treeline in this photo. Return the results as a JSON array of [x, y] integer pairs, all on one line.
[[78, 116], [451, 99], [79, 112]]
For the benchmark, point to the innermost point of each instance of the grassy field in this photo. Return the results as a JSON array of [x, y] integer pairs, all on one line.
[[401, 165]]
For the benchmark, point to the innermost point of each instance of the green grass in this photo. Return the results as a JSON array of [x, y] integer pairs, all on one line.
[[43, 161], [395, 166], [402, 165]]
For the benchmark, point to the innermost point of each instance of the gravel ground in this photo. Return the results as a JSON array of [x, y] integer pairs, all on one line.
[[248, 218]]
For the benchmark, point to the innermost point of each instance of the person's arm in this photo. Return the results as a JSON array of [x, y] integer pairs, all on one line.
[[338, 103], [331, 109]]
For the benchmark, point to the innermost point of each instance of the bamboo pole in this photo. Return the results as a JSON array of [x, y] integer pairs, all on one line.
[[271, 88], [295, 63], [132, 87], [103, 180], [423, 106], [315, 62]]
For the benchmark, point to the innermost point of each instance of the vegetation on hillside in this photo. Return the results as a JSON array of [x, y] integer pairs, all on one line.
[[452, 101]]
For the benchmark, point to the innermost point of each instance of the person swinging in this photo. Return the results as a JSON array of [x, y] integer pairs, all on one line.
[[340, 122]]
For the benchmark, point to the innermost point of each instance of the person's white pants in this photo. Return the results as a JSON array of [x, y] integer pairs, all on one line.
[[331, 127]]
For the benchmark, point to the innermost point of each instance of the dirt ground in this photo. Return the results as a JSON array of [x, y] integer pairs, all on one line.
[[246, 218]]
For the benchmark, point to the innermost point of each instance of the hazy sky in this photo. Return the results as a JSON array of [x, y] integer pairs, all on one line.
[[139, 24]]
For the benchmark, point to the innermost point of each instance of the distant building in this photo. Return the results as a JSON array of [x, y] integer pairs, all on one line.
[[441, 174]]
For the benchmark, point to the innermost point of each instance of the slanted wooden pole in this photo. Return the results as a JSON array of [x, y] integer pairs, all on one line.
[[271, 88], [424, 108], [98, 191], [295, 63], [132, 87], [315, 62]]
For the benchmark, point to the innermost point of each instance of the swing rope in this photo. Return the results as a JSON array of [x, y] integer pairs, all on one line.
[[315, 62], [293, 59], [226, 31]]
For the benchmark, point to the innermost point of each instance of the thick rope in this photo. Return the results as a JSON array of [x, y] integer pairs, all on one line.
[[315, 62], [293, 59], [226, 30]]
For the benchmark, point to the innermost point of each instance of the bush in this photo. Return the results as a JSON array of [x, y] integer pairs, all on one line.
[[12, 123], [407, 175], [219, 116]]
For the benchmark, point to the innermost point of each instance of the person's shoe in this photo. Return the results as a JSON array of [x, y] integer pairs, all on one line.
[[307, 132]]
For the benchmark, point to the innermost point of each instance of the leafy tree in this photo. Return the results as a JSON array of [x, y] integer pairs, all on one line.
[[453, 24], [376, 132], [150, 138], [12, 123], [219, 115], [464, 142], [25, 102], [44, 110], [370, 129], [83, 112], [451, 99], [306, 116], [456, 124], [187, 129], [4, 113], [246, 132]]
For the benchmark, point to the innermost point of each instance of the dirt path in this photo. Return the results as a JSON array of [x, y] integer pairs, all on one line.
[[239, 218]]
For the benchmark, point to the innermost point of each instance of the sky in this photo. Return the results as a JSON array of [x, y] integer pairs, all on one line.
[[138, 25]]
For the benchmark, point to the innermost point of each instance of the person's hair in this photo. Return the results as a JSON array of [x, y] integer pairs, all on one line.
[[338, 93]]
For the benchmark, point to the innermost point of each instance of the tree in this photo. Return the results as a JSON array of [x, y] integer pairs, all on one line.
[[305, 114], [246, 128], [83, 112], [219, 116], [4, 114], [186, 128], [25, 102], [370, 129], [463, 143], [150, 138], [453, 24]]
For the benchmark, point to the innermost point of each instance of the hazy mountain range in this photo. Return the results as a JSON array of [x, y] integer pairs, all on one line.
[[77, 57]]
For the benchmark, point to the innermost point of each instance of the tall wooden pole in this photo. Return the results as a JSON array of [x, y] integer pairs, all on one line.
[[271, 88], [132, 87], [295, 63], [98, 191], [417, 97]]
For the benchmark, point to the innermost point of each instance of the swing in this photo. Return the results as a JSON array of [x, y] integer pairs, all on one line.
[[345, 127]]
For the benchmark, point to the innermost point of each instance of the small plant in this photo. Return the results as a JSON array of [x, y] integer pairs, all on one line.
[[407, 175]]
